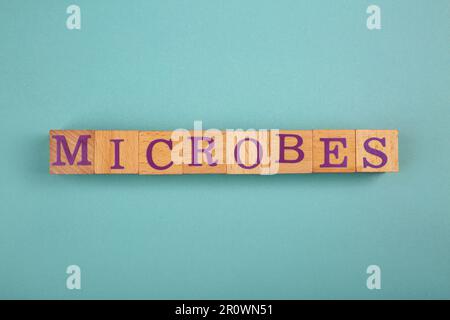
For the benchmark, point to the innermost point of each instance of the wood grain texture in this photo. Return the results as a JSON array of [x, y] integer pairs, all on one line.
[[291, 138], [367, 159], [203, 139], [171, 152], [246, 143], [60, 164], [110, 142], [162, 155], [338, 153]]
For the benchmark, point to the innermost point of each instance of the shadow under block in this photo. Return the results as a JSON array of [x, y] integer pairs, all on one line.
[[248, 153], [377, 151], [291, 151], [160, 152], [334, 151], [72, 151], [204, 152], [116, 152]]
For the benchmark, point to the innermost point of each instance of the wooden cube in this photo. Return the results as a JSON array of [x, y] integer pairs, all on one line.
[[116, 152], [377, 150], [72, 151], [248, 152], [334, 151], [204, 152], [291, 151], [160, 152]]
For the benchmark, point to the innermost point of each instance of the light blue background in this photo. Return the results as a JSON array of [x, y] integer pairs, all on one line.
[[233, 64]]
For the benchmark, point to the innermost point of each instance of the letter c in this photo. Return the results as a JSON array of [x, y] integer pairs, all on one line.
[[150, 154]]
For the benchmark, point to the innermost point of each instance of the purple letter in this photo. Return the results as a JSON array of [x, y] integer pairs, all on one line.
[[82, 141], [258, 153], [334, 151], [117, 154], [375, 152], [150, 150], [296, 148], [195, 150]]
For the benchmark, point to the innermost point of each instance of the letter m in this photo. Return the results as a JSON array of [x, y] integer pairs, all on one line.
[[62, 145]]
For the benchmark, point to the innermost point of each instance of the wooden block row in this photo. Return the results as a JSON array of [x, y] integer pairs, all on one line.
[[222, 152]]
